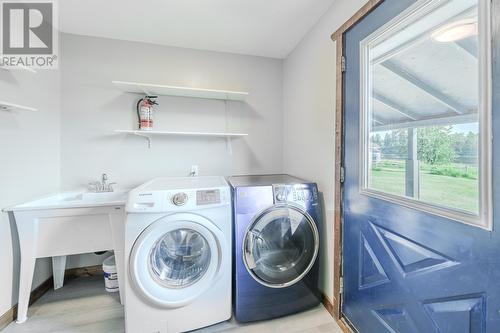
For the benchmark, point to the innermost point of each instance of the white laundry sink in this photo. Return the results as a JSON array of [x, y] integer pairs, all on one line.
[[65, 224], [75, 200]]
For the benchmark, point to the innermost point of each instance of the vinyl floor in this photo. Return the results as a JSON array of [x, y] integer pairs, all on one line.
[[82, 306]]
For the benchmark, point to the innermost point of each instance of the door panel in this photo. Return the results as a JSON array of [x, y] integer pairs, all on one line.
[[407, 269]]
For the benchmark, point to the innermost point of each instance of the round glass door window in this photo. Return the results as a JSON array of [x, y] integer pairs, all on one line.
[[179, 258], [281, 246]]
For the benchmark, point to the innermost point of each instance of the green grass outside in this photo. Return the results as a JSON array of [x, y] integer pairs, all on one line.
[[458, 191]]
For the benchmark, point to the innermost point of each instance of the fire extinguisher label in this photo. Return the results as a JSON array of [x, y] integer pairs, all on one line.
[[146, 119], [145, 112]]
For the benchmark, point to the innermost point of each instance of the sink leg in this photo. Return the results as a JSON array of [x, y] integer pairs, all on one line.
[[58, 269], [120, 263], [25, 281], [27, 242]]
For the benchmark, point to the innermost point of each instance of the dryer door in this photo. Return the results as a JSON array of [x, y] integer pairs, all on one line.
[[177, 258], [281, 246]]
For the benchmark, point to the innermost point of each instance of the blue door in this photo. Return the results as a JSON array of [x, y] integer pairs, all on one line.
[[421, 249]]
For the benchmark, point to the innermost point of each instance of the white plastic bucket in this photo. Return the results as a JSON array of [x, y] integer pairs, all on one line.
[[110, 275]]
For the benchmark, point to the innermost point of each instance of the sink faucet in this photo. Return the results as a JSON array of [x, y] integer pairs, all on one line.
[[102, 186]]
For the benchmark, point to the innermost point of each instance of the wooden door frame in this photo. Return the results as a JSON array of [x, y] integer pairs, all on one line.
[[339, 37]]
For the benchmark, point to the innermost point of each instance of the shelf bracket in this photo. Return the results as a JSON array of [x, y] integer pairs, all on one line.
[[147, 137], [144, 90], [229, 146]]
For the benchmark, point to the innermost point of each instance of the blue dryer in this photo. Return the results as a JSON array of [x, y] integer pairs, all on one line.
[[276, 246]]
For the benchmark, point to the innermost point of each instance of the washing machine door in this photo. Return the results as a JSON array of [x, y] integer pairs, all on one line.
[[281, 246], [177, 258]]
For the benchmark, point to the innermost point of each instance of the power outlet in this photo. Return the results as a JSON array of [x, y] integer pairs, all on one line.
[[194, 171]]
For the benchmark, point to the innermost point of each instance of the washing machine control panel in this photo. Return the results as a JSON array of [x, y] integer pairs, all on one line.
[[193, 198], [177, 200], [207, 197], [179, 194]]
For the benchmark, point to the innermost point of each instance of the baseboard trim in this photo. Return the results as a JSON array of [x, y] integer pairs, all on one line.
[[328, 304], [73, 273], [38, 292], [6, 318], [70, 274]]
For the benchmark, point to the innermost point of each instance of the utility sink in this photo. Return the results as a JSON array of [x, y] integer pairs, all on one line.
[[65, 224], [75, 200]]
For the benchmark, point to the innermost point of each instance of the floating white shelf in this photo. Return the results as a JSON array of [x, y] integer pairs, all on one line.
[[6, 106], [163, 90], [149, 134], [24, 68], [152, 133]]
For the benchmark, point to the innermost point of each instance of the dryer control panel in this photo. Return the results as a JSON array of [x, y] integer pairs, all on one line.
[[295, 193]]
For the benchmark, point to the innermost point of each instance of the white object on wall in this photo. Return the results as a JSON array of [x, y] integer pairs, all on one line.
[[194, 171], [149, 134], [6, 106], [19, 67], [165, 90]]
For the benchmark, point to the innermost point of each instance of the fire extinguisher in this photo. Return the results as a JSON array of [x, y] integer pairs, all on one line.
[[145, 112]]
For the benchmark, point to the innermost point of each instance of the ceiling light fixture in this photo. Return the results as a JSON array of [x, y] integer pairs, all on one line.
[[456, 31]]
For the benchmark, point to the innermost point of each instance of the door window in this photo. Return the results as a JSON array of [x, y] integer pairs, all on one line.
[[425, 98], [180, 258], [281, 246]]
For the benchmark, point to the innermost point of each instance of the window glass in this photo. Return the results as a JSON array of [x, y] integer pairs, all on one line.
[[421, 108]]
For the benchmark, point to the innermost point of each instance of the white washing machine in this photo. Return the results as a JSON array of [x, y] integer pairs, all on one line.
[[178, 237]]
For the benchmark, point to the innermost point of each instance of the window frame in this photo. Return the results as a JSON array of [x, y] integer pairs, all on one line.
[[484, 218]]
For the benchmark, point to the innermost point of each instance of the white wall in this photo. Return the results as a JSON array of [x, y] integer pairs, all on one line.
[[29, 163], [92, 108], [309, 116]]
